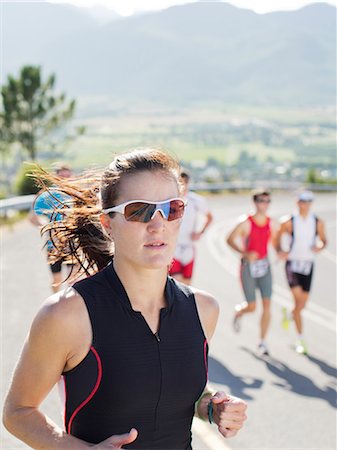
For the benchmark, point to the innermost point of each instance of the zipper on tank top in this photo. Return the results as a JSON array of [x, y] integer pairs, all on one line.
[[156, 335]]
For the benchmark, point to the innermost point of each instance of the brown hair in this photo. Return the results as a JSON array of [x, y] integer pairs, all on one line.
[[78, 237], [185, 175]]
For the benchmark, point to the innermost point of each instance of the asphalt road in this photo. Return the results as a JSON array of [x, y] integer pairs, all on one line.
[[291, 398]]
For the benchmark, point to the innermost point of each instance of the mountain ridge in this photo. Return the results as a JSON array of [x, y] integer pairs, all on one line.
[[197, 51]]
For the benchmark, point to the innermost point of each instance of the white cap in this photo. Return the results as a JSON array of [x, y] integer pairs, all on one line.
[[305, 196]]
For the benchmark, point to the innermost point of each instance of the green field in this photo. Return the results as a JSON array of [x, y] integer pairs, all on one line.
[[252, 142], [202, 132]]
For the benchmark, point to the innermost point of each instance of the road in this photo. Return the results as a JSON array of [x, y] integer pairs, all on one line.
[[291, 398]]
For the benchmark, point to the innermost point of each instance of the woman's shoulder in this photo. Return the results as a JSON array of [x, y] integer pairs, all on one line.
[[208, 310], [61, 329], [200, 296], [61, 312], [205, 299]]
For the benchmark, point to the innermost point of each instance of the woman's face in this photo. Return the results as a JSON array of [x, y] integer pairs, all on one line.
[[151, 244]]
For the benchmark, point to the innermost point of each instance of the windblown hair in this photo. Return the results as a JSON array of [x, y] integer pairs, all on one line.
[[78, 237]]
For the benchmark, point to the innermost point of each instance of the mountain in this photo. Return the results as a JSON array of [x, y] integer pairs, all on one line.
[[29, 28], [101, 14], [199, 51]]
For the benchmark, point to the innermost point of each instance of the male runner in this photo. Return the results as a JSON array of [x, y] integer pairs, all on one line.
[[307, 234], [183, 262], [250, 238]]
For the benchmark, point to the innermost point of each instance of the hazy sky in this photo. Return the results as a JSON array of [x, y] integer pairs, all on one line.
[[128, 7]]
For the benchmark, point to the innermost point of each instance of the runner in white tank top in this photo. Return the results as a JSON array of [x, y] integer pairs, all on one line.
[[304, 228], [307, 237]]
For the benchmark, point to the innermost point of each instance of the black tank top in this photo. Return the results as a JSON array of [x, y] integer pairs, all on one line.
[[132, 377]]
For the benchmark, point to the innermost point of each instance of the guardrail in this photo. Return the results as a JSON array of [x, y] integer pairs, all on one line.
[[24, 202], [268, 184]]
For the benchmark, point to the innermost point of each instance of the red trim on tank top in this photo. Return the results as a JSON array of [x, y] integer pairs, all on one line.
[[205, 358], [92, 393], [65, 401]]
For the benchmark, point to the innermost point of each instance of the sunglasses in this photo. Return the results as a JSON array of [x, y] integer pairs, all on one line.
[[144, 211], [263, 200]]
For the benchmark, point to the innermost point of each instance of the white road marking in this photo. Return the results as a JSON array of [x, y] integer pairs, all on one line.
[[209, 436], [329, 255]]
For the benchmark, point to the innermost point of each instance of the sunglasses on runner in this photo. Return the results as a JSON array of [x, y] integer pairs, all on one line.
[[144, 211]]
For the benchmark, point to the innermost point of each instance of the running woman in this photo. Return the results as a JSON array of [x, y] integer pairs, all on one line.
[[128, 343], [307, 237]]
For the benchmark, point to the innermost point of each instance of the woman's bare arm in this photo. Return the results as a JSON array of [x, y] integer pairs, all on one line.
[[51, 344]]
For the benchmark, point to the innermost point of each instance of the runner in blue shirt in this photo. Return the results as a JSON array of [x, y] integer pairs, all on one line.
[[43, 211]]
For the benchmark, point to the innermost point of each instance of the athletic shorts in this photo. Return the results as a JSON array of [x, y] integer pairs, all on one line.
[[298, 279], [56, 267], [178, 268], [183, 260], [250, 284]]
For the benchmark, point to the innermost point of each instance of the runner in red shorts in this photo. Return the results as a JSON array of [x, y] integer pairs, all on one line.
[[183, 262]]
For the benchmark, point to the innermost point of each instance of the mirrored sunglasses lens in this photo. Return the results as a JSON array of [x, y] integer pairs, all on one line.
[[143, 212], [176, 209], [139, 212]]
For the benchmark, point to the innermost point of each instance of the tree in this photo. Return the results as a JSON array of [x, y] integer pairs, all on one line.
[[312, 176], [31, 109]]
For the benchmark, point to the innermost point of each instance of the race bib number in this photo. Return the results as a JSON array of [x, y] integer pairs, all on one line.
[[259, 268], [301, 267]]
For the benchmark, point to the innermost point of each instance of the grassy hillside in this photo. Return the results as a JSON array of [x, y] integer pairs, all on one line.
[[212, 132]]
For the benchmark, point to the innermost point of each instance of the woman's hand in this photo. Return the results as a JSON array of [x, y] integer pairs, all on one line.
[[229, 413], [116, 441]]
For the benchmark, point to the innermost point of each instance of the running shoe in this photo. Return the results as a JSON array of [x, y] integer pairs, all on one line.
[[301, 347], [262, 349], [285, 318]]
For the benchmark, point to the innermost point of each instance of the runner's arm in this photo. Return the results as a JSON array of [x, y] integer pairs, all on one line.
[[322, 236], [242, 230], [40, 366], [229, 413], [284, 227], [208, 219], [208, 310], [239, 231]]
